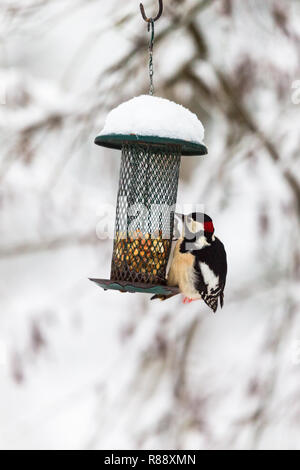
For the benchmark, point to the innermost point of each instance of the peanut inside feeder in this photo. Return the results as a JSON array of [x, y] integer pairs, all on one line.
[[143, 258]]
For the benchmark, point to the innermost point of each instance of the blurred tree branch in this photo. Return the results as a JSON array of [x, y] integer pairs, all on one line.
[[235, 110], [64, 241], [182, 23]]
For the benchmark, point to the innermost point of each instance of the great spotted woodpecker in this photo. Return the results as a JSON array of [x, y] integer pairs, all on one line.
[[199, 264]]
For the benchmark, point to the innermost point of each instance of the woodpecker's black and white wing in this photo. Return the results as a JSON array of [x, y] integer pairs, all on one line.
[[211, 271]]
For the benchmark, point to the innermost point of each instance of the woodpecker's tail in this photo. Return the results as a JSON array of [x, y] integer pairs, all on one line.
[[211, 302]]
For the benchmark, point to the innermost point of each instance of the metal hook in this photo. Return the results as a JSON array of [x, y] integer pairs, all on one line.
[[149, 20]]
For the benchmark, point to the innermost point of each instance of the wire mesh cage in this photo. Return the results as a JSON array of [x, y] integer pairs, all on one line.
[[145, 212]]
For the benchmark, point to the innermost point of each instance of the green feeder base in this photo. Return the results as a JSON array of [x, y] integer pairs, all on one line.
[[135, 287]]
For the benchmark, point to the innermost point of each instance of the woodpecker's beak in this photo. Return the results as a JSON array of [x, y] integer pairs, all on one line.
[[180, 216], [177, 232]]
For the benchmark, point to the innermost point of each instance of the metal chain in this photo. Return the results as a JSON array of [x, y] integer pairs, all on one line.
[[151, 68]]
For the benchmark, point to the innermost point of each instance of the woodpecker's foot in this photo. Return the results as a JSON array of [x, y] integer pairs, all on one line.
[[187, 300]]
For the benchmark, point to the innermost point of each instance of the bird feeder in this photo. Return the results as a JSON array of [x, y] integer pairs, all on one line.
[[152, 134]]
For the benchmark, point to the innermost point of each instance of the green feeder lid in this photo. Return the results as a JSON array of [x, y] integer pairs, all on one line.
[[155, 121], [115, 141]]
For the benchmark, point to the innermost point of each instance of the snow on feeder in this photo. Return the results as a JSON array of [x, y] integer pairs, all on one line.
[[152, 133]]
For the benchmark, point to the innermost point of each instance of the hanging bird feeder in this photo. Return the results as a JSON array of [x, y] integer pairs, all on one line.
[[152, 133]]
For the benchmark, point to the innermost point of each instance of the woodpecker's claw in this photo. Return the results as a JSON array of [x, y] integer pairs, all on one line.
[[187, 300]]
